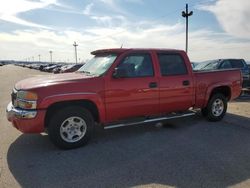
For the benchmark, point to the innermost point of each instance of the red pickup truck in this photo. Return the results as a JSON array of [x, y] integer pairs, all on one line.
[[119, 87]]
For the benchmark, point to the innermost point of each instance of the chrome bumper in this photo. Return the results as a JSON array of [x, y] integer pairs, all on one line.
[[13, 112]]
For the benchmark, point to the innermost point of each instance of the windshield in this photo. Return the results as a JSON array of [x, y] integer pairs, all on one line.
[[207, 65], [98, 65]]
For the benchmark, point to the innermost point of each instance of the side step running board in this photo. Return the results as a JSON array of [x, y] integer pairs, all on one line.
[[151, 120]]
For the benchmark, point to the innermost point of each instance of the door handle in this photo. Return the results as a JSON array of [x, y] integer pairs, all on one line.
[[186, 83], [152, 85]]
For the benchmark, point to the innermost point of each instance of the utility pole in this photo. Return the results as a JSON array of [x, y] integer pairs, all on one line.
[[39, 58], [75, 45], [50, 56], [186, 15]]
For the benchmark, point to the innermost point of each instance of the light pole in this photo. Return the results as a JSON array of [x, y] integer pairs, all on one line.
[[186, 15], [39, 58], [50, 56], [75, 45]]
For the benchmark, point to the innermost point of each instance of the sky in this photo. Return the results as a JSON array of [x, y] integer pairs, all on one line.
[[32, 28]]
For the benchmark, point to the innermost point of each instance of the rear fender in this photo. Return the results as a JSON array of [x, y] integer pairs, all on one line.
[[214, 86]]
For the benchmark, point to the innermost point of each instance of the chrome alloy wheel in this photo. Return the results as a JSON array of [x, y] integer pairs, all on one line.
[[217, 107], [73, 129]]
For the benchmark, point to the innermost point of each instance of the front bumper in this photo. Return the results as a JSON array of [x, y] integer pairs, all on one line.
[[19, 113], [27, 121]]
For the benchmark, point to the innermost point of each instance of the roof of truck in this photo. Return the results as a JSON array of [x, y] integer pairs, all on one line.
[[121, 50]]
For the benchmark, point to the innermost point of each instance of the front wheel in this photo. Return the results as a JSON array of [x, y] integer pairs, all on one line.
[[71, 127], [216, 108]]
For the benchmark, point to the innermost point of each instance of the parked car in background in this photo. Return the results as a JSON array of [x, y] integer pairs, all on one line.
[[63, 67], [193, 64], [57, 69], [50, 68], [42, 67], [248, 65], [36, 66], [227, 64], [71, 68]]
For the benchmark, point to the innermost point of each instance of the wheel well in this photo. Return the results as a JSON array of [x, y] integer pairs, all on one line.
[[225, 90], [83, 103]]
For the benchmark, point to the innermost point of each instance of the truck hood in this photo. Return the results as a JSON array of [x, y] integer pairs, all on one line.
[[47, 80]]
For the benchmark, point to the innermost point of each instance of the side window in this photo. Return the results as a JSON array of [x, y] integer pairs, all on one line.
[[137, 65], [171, 64], [237, 63], [226, 65]]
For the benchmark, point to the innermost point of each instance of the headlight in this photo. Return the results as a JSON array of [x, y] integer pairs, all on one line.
[[27, 95], [26, 100], [26, 104]]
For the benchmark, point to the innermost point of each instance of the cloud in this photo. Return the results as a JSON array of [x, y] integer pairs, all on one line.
[[135, 1], [114, 6], [203, 44], [232, 15], [9, 10], [109, 2], [110, 21], [88, 9]]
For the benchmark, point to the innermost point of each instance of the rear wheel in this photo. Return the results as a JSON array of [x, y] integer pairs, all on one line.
[[216, 108], [71, 127]]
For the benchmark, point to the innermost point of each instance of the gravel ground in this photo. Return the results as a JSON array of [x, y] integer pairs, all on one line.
[[188, 152]]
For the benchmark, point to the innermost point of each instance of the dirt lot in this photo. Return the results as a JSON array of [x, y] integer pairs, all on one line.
[[188, 152]]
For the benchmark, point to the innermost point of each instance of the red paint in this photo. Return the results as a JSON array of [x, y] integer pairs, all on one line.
[[30, 125], [124, 98]]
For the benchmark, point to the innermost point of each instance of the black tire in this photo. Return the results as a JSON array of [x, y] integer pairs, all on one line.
[[204, 112], [216, 107], [71, 127]]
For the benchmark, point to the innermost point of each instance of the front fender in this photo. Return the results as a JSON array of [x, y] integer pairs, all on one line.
[[93, 97]]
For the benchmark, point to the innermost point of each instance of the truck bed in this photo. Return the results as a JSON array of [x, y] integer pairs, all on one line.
[[206, 80]]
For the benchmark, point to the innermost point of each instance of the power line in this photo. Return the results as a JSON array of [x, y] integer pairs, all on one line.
[[186, 14]]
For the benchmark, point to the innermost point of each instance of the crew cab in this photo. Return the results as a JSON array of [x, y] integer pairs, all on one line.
[[119, 87]]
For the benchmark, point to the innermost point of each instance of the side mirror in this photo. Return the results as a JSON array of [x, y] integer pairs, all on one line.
[[120, 72]]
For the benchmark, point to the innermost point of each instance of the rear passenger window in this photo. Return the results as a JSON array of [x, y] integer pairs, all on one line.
[[226, 65], [237, 63], [171, 64]]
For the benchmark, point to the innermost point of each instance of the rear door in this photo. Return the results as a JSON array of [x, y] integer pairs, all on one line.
[[137, 93], [176, 84], [226, 64]]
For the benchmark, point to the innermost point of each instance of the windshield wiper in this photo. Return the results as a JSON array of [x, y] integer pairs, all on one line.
[[87, 72]]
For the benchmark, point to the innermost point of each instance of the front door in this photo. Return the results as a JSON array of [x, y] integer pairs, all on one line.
[[136, 94]]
